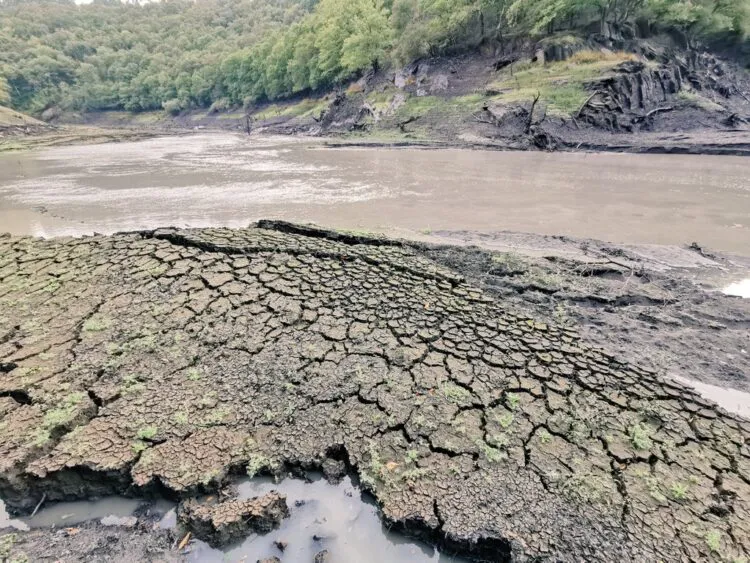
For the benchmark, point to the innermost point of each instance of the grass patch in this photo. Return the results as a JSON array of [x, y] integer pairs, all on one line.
[[146, 433], [493, 455], [512, 401], [58, 417], [698, 101], [561, 85], [232, 115], [421, 106], [96, 323], [256, 464], [640, 436], [381, 101], [456, 393], [305, 108], [678, 491], [713, 540]]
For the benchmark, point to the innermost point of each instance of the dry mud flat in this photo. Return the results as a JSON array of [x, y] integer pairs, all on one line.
[[162, 363]]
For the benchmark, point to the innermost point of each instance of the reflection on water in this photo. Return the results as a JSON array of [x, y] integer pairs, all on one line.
[[7, 522], [323, 516], [224, 179], [739, 289], [731, 400]]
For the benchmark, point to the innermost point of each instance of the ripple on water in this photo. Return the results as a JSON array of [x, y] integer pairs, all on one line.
[[739, 289]]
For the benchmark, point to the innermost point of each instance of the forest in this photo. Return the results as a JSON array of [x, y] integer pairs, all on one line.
[[180, 54]]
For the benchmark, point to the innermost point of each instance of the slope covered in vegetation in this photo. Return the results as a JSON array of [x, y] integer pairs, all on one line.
[[179, 54]]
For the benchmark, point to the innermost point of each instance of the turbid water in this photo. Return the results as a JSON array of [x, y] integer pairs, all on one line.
[[324, 516], [739, 289], [232, 180]]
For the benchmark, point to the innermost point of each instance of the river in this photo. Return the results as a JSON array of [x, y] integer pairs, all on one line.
[[231, 180]]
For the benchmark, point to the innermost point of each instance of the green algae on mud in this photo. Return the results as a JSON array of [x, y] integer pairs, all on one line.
[[162, 362]]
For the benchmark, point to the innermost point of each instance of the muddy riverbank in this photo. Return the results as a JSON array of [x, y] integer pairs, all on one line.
[[564, 94], [14, 139], [163, 362]]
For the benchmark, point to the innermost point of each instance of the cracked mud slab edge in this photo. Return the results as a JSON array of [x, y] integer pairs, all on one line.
[[163, 362]]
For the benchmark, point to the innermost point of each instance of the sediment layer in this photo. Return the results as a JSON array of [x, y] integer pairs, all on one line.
[[164, 361]]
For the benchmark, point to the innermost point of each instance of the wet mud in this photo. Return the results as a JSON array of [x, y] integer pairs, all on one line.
[[162, 363]]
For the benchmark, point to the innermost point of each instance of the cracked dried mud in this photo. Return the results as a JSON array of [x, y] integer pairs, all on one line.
[[161, 363]]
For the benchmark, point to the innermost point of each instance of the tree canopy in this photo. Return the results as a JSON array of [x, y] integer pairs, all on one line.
[[177, 54]]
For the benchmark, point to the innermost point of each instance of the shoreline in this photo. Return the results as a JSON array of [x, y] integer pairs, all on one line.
[[622, 143]]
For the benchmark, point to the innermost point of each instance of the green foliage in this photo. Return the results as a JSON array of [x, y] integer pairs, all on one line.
[[220, 54], [703, 18], [6, 544], [96, 323], [256, 464], [678, 491], [456, 393], [146, 433], [58, 417], [493, 455], [713, 540], [640, 436]]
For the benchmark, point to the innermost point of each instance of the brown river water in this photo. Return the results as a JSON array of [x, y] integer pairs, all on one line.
[[232, 180]]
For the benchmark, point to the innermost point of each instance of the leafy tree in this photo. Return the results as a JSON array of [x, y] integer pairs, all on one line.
[[698, 18], [180, 54]]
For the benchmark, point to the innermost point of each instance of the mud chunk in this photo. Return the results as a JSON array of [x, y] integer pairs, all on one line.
[[269, 560], [322, 556], [223, 523], [334, 470]]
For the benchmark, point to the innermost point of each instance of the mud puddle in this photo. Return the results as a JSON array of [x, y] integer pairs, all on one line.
[[233, 180], [731, 400], [6, 522], [323, 517], [739, 289], [109, 511]]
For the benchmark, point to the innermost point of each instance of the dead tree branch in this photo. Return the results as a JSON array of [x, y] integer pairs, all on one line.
[[530, 121]]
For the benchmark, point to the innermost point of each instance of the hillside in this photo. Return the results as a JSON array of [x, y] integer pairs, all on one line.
[[12, 118], [641, 95], [180, 56]]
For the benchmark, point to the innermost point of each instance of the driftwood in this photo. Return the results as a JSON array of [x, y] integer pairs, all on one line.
[[402, 124], [39, 505], [530, 121], [653, 112]]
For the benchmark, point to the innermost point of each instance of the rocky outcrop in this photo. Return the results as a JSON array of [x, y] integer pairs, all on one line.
[[636, 91]]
